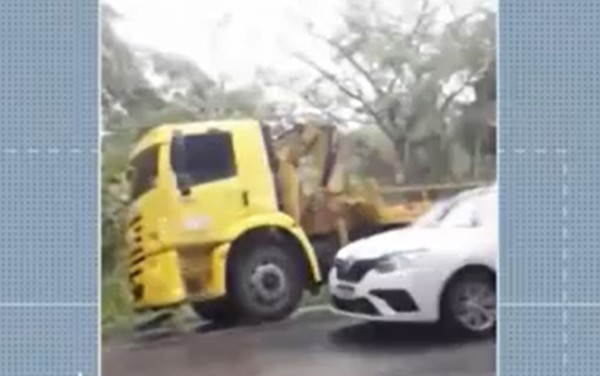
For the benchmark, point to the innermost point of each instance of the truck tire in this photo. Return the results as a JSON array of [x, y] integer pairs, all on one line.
[[265, 281]]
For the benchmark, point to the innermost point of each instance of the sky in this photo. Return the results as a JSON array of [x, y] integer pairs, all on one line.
[[232, 38], [227, 38]]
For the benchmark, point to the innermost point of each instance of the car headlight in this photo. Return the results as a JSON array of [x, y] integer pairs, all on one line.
[[398, 260]]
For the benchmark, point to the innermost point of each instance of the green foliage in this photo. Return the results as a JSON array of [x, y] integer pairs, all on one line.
[[114, 196], [116, 305]]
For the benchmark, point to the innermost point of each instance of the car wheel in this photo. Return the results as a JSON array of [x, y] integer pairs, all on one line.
[[469, 304], [266, 282]]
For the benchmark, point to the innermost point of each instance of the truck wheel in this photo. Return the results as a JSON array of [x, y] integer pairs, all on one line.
[[469, 305], [266, 282]]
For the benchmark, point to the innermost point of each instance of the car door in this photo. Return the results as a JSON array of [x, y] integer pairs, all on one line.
[[489, 222], [470, 228]]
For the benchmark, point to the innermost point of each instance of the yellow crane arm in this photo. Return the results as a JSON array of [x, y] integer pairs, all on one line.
[[305, 142]]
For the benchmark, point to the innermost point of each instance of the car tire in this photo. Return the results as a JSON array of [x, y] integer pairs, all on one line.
[[265, 281], [468, 305]]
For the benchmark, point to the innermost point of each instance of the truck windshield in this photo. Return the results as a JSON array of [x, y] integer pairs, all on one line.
[[143, 172], [208, 157]]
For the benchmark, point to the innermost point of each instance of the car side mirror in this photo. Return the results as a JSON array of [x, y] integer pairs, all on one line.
[[178, 160]]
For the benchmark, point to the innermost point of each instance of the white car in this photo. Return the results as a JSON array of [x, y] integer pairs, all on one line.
[[442, 268]]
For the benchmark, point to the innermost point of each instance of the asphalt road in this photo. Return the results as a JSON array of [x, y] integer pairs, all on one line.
[[312, 344]]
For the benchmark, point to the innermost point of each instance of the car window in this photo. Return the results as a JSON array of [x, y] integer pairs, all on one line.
[[475, 211], [460, 210]]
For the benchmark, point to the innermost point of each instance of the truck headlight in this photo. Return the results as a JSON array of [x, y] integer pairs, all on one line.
[[398, 260]]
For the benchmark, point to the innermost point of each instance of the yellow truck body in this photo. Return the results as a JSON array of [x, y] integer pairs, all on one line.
[[178, 244]]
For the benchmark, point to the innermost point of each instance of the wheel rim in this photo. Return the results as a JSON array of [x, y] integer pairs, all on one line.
[[268, 283], [475, 306]]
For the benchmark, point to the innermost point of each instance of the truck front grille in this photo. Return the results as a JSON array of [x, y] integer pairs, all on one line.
[[136, 256], [135, 232]]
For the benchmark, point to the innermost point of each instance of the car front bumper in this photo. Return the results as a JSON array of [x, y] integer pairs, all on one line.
[[408, 295]]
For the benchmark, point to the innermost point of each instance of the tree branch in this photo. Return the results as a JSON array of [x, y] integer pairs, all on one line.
[[332, 78], [335, 80], [351, 60], [420, 19], [330, 116], [381, 124], [468, 82], [392, 84]]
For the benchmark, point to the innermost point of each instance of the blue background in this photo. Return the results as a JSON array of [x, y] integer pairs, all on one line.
[[49, 187], [549, 111], [549, 133]]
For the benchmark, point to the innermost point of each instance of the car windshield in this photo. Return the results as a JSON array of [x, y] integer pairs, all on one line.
[[434, 214], [441, 211]]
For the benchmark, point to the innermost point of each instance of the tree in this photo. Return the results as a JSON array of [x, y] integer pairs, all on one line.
[[145, 87], [405, 77], [476, 130], [123, 84]]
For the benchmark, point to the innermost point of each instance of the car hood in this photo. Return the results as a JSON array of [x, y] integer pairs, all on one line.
[[379, 245]]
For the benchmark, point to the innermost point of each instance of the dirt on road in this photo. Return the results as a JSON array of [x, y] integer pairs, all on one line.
[[316, 344]]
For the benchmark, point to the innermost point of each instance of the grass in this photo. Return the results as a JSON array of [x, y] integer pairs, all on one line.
[[118, 317], [117, 314]]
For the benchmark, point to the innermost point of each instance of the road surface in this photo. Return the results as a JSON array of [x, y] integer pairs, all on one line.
[[312, 344]]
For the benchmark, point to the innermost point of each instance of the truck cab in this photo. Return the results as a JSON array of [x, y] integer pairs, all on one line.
[[205, 224]]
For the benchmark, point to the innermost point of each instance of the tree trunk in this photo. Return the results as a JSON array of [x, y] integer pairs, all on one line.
[[477, 158], [403, 148]]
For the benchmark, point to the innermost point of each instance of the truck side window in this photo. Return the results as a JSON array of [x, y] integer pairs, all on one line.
[[143, 172], [209, 157]]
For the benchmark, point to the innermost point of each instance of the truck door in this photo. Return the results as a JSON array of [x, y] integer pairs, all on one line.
[[216, 195]]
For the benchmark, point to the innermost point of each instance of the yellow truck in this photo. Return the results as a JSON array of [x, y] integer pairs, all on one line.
[[218, 218]]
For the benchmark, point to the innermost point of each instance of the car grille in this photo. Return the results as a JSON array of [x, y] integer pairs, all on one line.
[[360, 305], [353, 271], [398, 300]]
